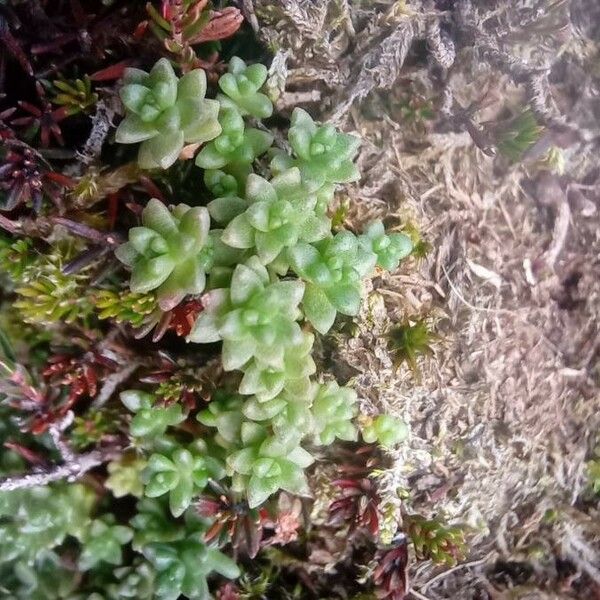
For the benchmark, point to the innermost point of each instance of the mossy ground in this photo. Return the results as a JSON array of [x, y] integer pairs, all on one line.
[[505, 414]]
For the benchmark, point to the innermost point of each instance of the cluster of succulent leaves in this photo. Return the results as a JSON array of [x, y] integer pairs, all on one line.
[[271, 272], [41, 526], [264, 257]]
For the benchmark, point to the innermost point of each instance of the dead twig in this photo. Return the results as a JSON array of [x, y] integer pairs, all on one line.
[[73, 467]]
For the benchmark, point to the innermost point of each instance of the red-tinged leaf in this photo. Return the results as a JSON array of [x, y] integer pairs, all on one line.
[[222, 25], [390, 576], [55, 44], [213, 532], [59, 114], [113, 72], [61, 179], [140, 31], [14, 48], [207, 507], [29, 455], [30, 108], [345, 483], [151, 188]]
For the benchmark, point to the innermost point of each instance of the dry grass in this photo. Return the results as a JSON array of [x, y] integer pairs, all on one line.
[[506, 413]]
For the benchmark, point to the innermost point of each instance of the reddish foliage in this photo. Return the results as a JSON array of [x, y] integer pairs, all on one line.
[[228, 591], [80, 375], [233, 520], [358, 505], [43, 118], [390, 575], [26, 177]]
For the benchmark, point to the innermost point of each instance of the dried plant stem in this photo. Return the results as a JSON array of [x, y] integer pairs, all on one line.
[[534, 78], [73, 467], [70, 471]]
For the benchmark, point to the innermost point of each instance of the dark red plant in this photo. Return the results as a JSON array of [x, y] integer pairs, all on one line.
[[358, 505], [44, 118], [390, 576], [26, 177], [79, 375], [233, 520]]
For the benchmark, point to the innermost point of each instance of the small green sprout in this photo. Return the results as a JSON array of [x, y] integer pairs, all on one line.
[[240, 87]]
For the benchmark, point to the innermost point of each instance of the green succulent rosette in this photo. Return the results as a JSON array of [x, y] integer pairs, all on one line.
[[150, 420], [278, 214], [181, 473], [164, 113], [237, 145], [136, 581], [323, 155], [102, 543], [333, 270], [384, 429], [221, 184], [240, 87], [224, 412], [390, 248], [253, 318], [33, 520], [265, 380], [183, 566], [266, 464], [169, 253], [286, 413], [333, 410]]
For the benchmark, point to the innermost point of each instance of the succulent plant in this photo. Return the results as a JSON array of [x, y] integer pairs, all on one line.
[[224, 413], [125, 306], [237, 145], [164, 112], [253, 317], [180, 474], [125, 475], [182, 567], [36, 519], [358, 505], [150, 419], [154, 523], [45, 579], [46, 294], [323, 155], [333, 270], [169, 253], [221, 184], [333, 410], [136, 581], [267, 464], [102, 543], [264, 380], [232, 520], [384, 429], [240, 87], [390, 575], [286, 413], [280, 213], [390, 249], [76, 96]]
